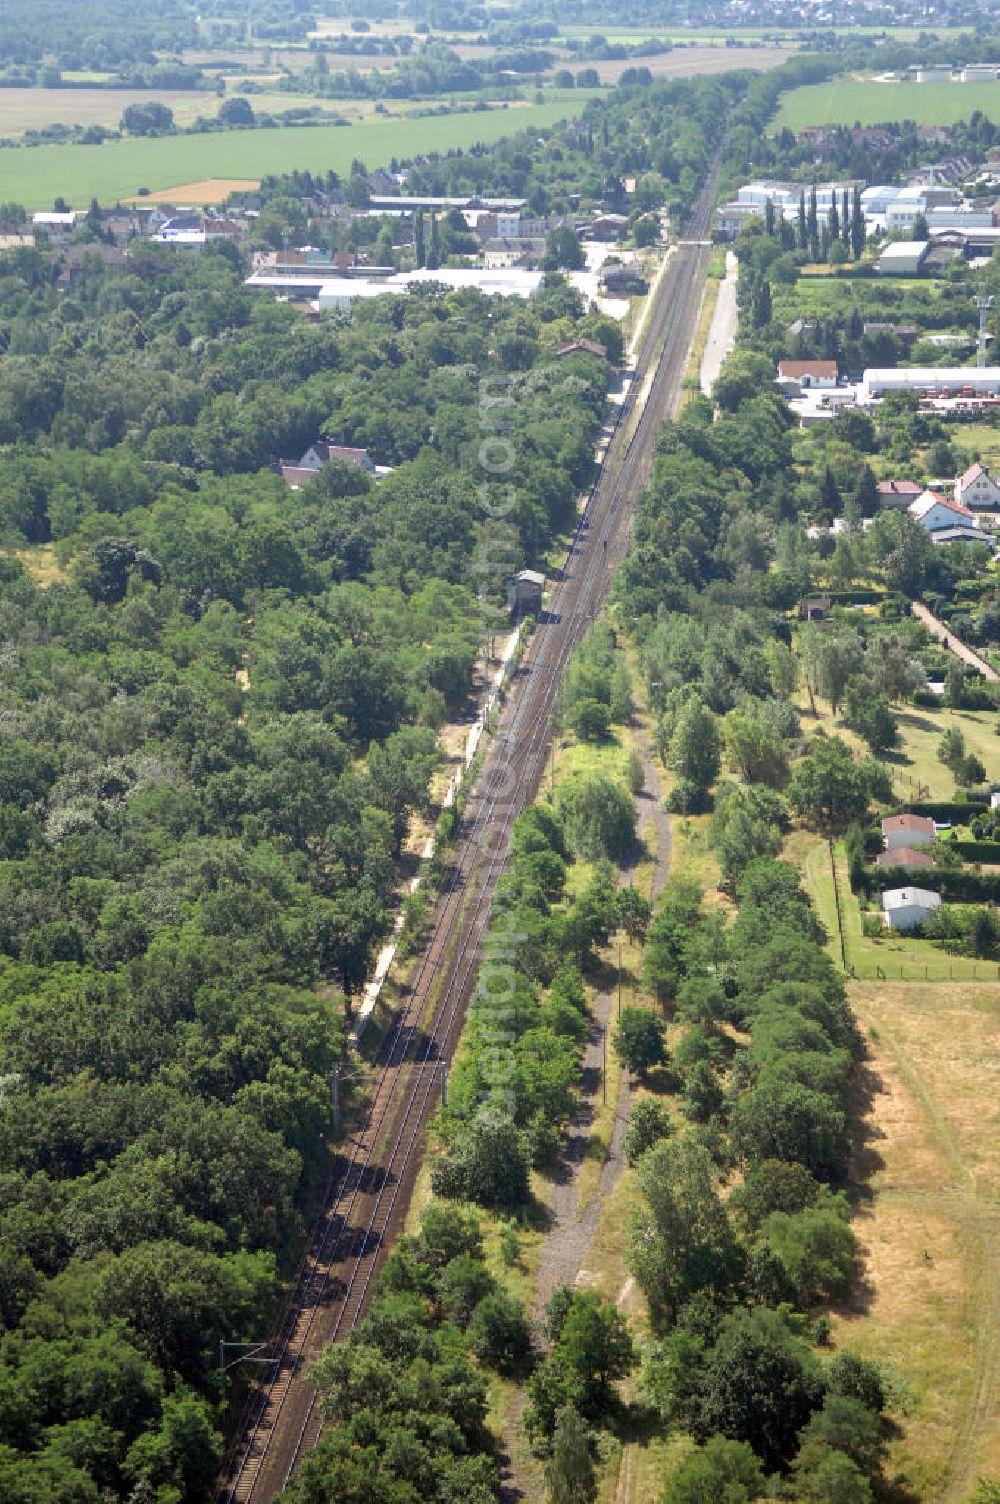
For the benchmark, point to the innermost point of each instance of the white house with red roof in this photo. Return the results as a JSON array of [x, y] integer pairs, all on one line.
[[977, 488], [805, 375], [907, 831], [935, 512]]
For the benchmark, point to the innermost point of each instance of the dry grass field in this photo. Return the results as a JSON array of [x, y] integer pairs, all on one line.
[[206, 191], [33, 109], [928, 1223], [689, 62]]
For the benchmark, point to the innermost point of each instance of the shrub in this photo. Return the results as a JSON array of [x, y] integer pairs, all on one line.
[[499, 1332], [638, 1040], [650, 1122]]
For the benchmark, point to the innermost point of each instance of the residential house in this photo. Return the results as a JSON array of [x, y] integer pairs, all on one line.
[[897, 495], [977, 488], [904, 856], [803, 375], [607, 227], [322, 453], [934, 511], [814, 607], [908, 908], [74, 260], [899, 831], [582, 347], [57, 226]]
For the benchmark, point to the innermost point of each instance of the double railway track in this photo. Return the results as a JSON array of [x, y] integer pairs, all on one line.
[[370, 1187]]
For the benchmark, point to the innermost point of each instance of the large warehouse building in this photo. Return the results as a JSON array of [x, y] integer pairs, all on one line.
[[938, 381]]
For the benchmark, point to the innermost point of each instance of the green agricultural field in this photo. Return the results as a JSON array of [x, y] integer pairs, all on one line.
[[851, 101], [35, 176]]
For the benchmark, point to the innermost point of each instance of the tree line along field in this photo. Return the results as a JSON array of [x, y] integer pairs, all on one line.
[[35, 176], [851, 101]]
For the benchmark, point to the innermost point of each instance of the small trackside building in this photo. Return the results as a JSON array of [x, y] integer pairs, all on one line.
[[908, 908], [907, 830], [525, 597]]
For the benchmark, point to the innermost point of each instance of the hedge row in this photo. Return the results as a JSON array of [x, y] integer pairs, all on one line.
[[955, 884], [946, 811]]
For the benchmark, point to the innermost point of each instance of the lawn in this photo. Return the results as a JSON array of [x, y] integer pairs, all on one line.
[[979, 438], [35, 176], [892, 957], [928, 1163], [850, 101]]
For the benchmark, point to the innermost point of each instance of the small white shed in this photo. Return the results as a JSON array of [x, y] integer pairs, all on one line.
[[906, 908]]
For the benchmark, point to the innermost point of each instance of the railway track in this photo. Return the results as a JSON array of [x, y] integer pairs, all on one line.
[[369, 1189]]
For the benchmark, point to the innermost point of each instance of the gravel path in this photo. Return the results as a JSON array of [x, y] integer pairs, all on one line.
[[571, 1229]]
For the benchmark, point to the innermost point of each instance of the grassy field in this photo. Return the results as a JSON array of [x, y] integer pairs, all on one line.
[[37, 175], [927, 1220], [687, 62], [979, 438], [32, 109], [850, 101]]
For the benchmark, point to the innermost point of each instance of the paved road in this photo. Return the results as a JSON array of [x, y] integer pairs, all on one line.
[[938, 629], [722, 333]]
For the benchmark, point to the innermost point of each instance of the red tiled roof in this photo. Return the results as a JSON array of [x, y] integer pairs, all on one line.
[[898, 488], [907, 822], [588, 346], [296, 475], [794, 368], [973, 472], [929, 499], [904, 856]]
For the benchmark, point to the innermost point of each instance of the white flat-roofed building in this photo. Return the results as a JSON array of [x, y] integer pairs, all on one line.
[[877, 198], [903, 258], [935, 380]]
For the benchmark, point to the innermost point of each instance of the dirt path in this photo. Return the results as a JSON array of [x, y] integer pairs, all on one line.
[[941, 632], [571, 1228]]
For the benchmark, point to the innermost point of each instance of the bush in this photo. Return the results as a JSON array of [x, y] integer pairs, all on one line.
[[650, 1122], [499, 1332], [487, 1164], [598, 816], [638, 1040]]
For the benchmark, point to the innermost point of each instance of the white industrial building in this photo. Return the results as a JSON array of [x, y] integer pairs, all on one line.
[[934, 380], [903, 258]]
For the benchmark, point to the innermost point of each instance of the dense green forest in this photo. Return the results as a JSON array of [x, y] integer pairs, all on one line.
[[186, 859]]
